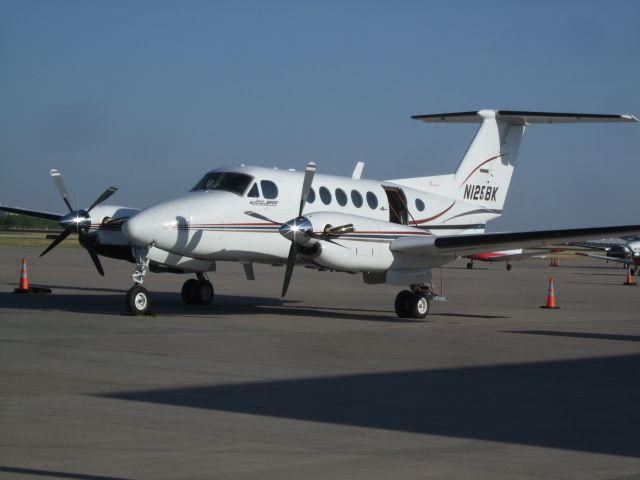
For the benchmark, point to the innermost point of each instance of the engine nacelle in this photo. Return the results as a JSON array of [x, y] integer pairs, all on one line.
[[361, 249]]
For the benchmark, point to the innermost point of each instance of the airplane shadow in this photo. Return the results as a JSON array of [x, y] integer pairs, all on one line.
[[70, 287], [588, 405], [599, 336], [171, 304], [466, 315], [55, 474]]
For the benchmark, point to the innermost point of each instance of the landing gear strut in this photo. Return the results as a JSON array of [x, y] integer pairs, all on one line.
[[198, 292], [137, 300], [414, 303]]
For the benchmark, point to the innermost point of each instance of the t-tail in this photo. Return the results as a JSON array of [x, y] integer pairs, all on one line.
[[481, 182]]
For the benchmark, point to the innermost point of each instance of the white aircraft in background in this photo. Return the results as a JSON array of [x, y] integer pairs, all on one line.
[[393, 231], [624, 251]]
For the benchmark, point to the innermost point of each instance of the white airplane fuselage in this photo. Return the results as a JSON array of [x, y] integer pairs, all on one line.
[[213, 225]]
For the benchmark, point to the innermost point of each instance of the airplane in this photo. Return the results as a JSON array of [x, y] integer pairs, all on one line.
[[392, 232], [501, 256], [508, 256], [625, 251]]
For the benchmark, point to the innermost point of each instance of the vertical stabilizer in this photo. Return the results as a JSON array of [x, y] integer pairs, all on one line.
[[484, 174]]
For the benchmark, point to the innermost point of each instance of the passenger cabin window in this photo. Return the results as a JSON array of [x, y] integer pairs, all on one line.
[[419, 204], [269, 189], [325, 195], [372, 200], [312, 196], [341, 197], [356, 198], [228, 181], [254, 191]]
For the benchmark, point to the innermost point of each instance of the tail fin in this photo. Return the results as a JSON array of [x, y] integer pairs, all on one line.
[[482, 179]]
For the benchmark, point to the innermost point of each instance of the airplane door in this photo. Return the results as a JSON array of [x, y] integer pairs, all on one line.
[[398, 211]]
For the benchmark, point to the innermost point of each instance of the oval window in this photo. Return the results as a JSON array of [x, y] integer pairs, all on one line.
[[341, 197], [269, 189], [356, 198], [419, 204], [372, 200], [325, 195], [312, 196]]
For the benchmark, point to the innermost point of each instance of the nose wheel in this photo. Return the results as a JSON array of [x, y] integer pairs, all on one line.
[[137, 300]]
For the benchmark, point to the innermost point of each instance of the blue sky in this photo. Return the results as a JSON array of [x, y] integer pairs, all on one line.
[[148, 96]]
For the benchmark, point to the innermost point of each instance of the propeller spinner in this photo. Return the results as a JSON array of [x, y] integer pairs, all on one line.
[[77, 221]]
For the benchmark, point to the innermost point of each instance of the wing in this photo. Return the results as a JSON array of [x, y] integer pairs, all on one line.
[[463, 245], [625, 261], [31, 213]]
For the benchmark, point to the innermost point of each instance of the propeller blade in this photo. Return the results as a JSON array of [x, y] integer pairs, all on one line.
[[57, 180], [58, 239], [291, 261], [261, 217], [106, 194], [92, 253], [309, 172]]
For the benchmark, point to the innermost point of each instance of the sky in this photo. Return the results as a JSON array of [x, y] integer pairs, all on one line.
[[149, 95]]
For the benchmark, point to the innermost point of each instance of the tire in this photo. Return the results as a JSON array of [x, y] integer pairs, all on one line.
[[420, 305], [189, 291], [137, 300], [469, 266], [508, 267], [203, 292], [403, 304]]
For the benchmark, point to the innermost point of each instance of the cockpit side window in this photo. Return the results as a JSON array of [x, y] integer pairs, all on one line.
[[254, 191], [269, 189], [228, 181]]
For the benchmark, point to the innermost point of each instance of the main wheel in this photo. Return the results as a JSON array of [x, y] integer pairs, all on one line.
[[419, 305], [469, 266], [203, 292], [508, 267], [189, 291], [137, 300], [403, 304]]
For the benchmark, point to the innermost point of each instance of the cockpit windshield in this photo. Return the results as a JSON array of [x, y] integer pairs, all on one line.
[[228, 181]]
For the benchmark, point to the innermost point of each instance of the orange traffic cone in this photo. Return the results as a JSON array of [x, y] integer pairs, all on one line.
[[551, 296], [23, 287], [629, 280]]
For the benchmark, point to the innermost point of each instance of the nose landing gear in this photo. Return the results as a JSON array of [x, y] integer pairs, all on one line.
[[137, 300]]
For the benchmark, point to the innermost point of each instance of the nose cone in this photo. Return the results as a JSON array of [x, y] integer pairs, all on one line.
[[140, 229]]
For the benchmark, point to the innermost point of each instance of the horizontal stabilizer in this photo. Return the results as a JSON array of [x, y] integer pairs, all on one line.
[[516, 117]]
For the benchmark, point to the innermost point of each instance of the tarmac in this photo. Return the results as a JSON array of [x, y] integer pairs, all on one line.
[[326, 383]]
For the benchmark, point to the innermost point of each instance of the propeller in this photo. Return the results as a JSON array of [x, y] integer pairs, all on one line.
[[300, 230], [77, 221]]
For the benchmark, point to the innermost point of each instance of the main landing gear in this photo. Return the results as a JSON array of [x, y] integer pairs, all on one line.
[[414, 303], [198, 292]]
